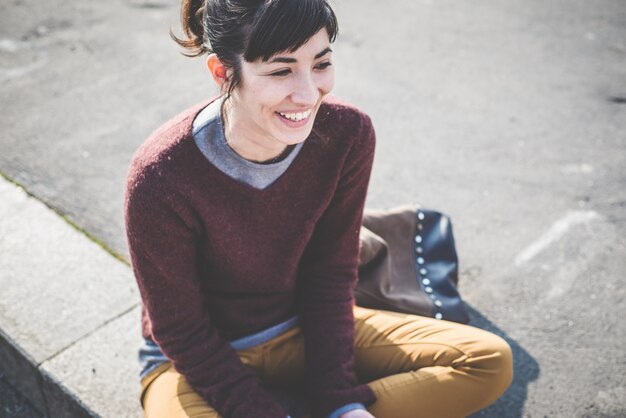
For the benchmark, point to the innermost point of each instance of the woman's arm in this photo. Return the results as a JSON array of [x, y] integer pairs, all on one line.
[[162, 235], [327, 277]]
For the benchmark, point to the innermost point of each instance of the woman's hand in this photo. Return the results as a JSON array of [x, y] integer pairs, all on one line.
[[357, 413]]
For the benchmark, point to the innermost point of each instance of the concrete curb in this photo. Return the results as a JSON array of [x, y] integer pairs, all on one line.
[[21, 370], [69, 315]]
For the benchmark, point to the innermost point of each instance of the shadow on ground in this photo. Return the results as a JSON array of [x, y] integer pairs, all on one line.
[[525, 370], [13, 404]]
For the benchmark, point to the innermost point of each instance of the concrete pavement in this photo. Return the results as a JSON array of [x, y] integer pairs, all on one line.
[[70, 314], [509, 116]]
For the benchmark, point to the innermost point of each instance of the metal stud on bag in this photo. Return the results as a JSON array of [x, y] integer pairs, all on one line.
[[422, 279]]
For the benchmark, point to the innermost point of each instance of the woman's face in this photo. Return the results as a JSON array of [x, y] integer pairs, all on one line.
[[277, 100]]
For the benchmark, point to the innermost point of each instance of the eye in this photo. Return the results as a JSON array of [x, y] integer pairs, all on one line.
[[323, 65], [280, 73]]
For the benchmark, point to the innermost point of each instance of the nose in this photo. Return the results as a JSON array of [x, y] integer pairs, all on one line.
[[306, 91]]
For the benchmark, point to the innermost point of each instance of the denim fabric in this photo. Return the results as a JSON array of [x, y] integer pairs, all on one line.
[[151, 356], [350, 407]]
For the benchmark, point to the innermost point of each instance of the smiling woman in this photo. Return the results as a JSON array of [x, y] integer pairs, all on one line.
[[278, 99], [243, 218]]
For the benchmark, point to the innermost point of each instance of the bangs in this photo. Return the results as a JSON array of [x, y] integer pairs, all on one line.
[[285, 25]]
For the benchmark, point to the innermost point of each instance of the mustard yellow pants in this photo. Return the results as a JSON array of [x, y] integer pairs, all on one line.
[[416, 366]]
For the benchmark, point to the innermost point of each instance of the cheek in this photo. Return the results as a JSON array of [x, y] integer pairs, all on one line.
[[260, 102], [272, 97], [259, 94], [327, 82]]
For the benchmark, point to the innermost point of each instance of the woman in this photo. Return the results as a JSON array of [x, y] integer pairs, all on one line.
[[243, 217]]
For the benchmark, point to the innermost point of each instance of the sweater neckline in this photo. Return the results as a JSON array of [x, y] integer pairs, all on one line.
[[232, 182]]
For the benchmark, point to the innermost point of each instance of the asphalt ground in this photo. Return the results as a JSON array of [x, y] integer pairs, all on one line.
[[508, 116]]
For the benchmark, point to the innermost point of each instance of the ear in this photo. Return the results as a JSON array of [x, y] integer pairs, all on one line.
[[218, 70]]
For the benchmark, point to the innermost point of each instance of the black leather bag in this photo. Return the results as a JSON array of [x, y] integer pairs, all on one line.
[[408, 263]]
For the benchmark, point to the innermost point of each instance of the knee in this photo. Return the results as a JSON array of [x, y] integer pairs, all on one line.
[[500, 365]]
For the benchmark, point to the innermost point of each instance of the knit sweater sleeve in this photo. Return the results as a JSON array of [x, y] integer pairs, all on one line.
[[327, 277], [162, 236]]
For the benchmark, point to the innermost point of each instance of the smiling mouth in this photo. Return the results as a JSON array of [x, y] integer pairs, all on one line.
[[296, 117]]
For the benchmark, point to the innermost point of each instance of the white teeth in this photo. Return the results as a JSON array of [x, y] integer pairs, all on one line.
[[296, 116]]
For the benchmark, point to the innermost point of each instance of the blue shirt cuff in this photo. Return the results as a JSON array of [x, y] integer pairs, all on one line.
[[351, 406]]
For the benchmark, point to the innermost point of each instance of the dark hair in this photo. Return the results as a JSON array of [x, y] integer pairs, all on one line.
[[251, 29]]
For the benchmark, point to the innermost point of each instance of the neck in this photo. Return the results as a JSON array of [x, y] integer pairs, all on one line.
[[245, 143]]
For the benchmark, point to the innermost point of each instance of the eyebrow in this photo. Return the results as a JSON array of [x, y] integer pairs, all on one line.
[[290, 60]]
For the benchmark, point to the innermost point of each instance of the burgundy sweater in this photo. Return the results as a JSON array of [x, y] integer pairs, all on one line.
[[216, 259]]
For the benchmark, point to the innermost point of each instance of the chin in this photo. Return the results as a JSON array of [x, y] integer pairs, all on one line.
[[294, 137]]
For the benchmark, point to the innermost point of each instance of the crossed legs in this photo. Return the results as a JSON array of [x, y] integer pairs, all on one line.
[[416, 366]]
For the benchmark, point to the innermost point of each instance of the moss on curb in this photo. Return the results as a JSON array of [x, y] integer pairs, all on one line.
[[67, 219]]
